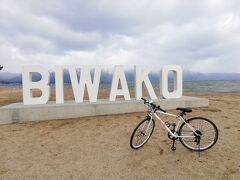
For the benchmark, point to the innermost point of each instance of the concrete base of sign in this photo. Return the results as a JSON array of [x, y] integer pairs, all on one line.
[[18, 112]]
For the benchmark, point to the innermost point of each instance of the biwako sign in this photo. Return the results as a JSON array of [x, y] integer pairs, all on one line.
[[92, 85], [40, 108]]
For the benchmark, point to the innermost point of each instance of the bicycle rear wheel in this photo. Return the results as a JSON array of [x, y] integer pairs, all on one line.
[[142, 133], [206, 130]]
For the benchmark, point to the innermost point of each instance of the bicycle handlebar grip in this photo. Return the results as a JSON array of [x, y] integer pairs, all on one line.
[[161, 109], [158, 108], [143, 99]]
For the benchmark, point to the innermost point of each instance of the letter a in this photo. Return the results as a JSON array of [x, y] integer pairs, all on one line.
[[119, 75]]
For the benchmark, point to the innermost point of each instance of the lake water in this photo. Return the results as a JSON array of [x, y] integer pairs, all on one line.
[[200, 86], [188, 86], [212, 86]]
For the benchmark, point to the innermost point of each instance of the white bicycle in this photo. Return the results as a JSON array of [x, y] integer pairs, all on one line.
[[196, 134]]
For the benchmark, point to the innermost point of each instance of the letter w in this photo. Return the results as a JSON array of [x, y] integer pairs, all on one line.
[[85, 80]]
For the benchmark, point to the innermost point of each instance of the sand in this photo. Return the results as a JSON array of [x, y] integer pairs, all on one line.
[[98, 147]]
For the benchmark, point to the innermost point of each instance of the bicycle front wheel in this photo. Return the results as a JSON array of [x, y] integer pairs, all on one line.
[[206, 134], [142, 133]]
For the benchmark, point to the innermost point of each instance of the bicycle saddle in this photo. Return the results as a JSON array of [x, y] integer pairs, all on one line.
[[188, 110]]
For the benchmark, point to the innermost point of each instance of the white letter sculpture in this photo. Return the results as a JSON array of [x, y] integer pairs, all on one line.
[[85, 80], [119, 75], [28, 85], [140, 77], [177, 78], [92, 84], [59, 85]]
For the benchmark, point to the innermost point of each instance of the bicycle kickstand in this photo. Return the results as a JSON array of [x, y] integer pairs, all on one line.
[[173, 138], [173, 145]]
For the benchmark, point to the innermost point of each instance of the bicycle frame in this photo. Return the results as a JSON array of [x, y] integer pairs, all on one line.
[[180, 118]]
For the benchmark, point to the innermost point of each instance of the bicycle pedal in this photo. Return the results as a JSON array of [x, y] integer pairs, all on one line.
[[173, 148]]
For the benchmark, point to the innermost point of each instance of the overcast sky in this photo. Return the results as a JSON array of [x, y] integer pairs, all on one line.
[[201, 36]]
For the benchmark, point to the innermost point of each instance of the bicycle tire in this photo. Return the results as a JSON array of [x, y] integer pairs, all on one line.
[[197, 147], [147, 119]]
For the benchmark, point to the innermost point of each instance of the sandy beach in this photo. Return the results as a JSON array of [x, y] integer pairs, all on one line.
[[98, 147]]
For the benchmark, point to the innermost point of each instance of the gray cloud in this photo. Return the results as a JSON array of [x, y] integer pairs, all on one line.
[[200, 36]]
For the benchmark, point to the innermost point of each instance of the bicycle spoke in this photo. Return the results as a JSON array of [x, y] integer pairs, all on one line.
[[205, 128], [142, 133]]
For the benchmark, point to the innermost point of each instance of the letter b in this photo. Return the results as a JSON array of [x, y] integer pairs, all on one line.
[[29, 85]]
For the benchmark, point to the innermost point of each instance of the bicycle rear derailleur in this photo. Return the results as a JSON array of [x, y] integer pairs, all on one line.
[[173, 126]]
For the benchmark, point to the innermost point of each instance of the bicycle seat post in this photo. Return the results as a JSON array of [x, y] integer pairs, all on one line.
[[182, 114]]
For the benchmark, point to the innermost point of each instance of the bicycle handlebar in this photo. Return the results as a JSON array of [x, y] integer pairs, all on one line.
[[154, 106], [144, 100]]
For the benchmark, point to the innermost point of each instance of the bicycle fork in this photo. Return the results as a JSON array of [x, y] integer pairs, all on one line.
[[148, 125]]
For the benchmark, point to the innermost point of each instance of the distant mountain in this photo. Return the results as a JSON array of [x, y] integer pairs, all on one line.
[[196, 76], [106, 77], [7, 76]]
